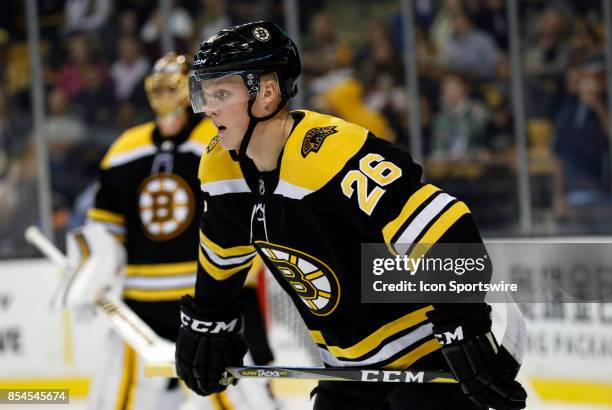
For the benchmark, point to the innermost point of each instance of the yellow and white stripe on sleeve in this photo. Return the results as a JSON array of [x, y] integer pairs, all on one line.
[[221, 263], [395, 345], [424, 218]]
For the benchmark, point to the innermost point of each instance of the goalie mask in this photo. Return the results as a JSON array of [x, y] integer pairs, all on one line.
[[166, 86]]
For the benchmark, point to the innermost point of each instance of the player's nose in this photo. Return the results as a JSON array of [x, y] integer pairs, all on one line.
[[212, 113]]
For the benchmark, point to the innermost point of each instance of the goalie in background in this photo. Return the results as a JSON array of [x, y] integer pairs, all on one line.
[[147, 198], [303, 190]]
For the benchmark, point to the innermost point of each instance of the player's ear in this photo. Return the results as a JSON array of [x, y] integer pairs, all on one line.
[[269, 92]]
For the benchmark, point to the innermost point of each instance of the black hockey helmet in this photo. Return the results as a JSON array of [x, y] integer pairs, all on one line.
[[248, 50]]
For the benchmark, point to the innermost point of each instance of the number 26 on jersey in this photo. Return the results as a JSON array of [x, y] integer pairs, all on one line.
[[372, 169]]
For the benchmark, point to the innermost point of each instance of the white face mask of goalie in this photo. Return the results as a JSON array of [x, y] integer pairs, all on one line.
[[95, 267]]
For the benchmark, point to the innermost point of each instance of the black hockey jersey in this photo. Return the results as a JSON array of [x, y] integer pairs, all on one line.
[[336, 186], [149, 196]]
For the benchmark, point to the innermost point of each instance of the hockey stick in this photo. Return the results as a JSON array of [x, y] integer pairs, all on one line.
[[154, 349], [123, 320], [315, 373]]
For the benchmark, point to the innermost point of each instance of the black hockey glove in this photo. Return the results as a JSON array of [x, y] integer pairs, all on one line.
[[209, 340], [484, 370]]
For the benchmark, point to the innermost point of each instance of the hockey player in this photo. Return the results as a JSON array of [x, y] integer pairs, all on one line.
[[304, 190], [148, 197]]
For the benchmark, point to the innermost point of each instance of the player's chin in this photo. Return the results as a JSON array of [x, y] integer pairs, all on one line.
[[228, 142]]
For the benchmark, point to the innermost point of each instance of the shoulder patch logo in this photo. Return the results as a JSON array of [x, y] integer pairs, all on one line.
[[315, 137], [213, 143]]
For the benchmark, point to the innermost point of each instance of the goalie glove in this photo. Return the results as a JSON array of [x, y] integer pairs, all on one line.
[[94, 268], [485, 370], [209, 340]]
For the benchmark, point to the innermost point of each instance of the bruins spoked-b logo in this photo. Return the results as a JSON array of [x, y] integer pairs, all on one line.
[[166, 206], [261, 33], [312, 280], [315, 138]]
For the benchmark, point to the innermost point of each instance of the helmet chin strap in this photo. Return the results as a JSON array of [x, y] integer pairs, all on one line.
[[252, 124]]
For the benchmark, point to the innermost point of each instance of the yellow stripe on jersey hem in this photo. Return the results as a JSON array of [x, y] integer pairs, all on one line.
[[443, 380], [226, 252], [103, 215], [376, 338], [435, 232], [411, 205], [415, 354], [317, 337], [179, 268], [219, 273], [147, 295]]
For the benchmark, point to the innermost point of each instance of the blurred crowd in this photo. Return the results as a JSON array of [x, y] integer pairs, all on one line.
[[465, 102], [96, 53]]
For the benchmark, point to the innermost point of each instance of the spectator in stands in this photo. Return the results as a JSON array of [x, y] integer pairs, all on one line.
[[129, 70], [429, 74], [546, 57], [382, 60], [95, 101], [64, 131], [181, 27], [13, 130], [81, 60], [459, 126], [345, 99], [493, 19], [128, 25], [469, 51], [497, 96], [87, 15], [382, 72], [585, 42], [425, 12], [18, 203], [246, 11], [324, 53], [546, 53], [62, 128], [581, 138], [213, 17], [442, 28]]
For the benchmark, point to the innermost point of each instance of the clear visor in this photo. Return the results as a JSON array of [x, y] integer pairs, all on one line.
[[211, 94]]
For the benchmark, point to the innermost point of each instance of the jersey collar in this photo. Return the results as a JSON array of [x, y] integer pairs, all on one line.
[[263, 184]]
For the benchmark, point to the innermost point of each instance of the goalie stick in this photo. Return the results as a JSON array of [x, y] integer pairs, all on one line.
[[158, 351]]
